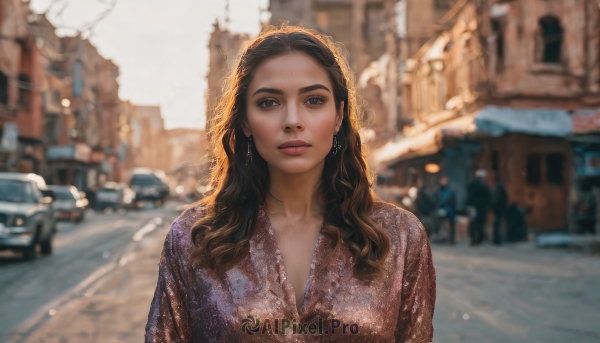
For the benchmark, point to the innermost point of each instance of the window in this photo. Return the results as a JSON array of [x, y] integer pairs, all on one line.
[[495, 162], [373, 29], [51, 126], [534, 169], [498, 33], [552, 37], [78, 82], [554, 168], [3, 88]]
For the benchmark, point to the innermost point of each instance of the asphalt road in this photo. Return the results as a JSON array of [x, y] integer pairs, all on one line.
[[31, 293], [98, 285], [516, 293]]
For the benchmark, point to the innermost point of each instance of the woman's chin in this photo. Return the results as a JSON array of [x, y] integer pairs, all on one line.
[[295, 167]]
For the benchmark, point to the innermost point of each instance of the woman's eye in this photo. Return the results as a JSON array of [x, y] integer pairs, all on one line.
[[315, 101], [267, 103]]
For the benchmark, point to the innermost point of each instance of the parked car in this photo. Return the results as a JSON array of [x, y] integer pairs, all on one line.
[[149, 187], [70, 204], [115, 196], [26, 214]]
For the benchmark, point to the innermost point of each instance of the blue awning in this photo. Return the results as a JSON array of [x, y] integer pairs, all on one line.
[[541, 122]]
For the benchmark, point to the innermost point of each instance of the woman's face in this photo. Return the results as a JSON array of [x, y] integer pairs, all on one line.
[[289, 98]]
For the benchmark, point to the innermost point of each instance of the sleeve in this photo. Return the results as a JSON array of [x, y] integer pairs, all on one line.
[[415, 321], [168, 320]]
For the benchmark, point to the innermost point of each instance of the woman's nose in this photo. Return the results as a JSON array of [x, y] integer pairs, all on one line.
[[292, 116]]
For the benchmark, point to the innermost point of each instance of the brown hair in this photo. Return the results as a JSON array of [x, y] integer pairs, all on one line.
[[222, 235]]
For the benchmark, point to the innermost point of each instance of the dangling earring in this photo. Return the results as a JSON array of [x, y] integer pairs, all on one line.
[[336, 145], [249, 153]]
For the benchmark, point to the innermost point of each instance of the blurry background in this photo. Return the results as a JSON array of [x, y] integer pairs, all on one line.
[[482, 117]]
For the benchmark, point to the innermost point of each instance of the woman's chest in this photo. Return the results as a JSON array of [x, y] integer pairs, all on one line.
[[255, 299]]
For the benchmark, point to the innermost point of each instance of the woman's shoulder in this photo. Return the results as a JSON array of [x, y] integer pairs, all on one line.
[[400, 224], [180, 234]]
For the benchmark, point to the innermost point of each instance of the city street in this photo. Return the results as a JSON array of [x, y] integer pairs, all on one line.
[[100, 269], [98, 285]]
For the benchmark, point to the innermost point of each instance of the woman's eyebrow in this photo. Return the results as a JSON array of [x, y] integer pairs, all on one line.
[[268, 90], [312, 88]]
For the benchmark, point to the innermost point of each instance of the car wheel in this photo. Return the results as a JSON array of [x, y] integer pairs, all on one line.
[[46, 246], [81, 216], [29, 253]]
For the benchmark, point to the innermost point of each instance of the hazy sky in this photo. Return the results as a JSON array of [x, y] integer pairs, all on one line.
[[159, 45]]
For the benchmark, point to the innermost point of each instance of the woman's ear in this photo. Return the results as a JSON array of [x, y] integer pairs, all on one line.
[[339, 117], [246, 128]]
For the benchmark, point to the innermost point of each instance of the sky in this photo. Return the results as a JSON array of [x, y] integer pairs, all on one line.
[[160, 46]]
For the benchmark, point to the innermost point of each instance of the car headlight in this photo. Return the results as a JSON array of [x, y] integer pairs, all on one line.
[[19, 221]]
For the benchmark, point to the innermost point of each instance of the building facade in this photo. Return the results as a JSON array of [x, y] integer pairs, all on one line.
[[506, 88], [21, 144], [223, 48]]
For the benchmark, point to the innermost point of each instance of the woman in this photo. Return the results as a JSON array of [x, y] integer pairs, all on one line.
[[291, 245]]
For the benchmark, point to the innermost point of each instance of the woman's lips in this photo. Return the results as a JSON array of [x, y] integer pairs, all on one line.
[[294, 150]]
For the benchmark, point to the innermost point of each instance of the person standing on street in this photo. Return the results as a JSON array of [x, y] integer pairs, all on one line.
[[499, 201], [427, 202], [448, 204], [478, 197]]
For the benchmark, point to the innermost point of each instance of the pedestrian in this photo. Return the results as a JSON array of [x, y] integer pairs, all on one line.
[[478, 198], [447, 203], [292, 236], [499, 201], [427, 203], [585, 214], [516, 226]]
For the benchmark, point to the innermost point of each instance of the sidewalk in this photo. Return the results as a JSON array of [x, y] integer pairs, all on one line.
[[586, 244]]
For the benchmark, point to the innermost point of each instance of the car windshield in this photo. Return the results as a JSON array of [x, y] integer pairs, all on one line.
[[17, 191], [144, 180], [62, 194]]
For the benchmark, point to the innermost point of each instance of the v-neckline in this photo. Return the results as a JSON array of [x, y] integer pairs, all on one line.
[[279, 256]]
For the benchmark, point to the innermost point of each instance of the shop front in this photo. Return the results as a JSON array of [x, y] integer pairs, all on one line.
[[584, 197], [527, 149], [69, 165]]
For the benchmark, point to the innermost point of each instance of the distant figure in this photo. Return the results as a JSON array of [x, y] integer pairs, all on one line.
[[499, 201], [427, 203], [448, 204], [585, 215], [478, 197], [516, 226]]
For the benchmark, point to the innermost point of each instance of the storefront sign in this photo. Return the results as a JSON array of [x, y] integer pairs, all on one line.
[[10, 135], [586, 121]]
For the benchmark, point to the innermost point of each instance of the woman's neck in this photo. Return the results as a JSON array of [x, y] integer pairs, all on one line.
[[295, 196]]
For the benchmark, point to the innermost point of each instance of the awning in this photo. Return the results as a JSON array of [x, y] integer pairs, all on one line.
[[489, 120], [78, 152], [425, 143], [542, 122]]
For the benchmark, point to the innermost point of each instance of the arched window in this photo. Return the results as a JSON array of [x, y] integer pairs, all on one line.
[[551, 39], [3, 89]]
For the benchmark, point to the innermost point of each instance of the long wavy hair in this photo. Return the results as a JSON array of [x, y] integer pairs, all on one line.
[[221, 237]]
